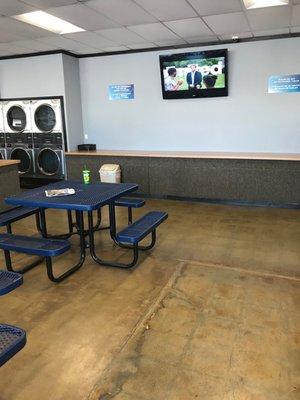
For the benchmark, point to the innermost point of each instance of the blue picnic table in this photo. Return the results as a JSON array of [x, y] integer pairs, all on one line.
[[87, 198]]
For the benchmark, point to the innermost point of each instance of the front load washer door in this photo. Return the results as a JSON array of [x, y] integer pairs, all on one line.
[[1, 119], [45, 118], [25, 160], [48, 162], [16, 118], [46, 115]]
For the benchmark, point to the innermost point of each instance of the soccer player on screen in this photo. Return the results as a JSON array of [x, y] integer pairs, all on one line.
[[194, 78]]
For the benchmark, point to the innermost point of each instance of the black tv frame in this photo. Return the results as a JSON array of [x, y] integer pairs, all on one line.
[[188, 94]]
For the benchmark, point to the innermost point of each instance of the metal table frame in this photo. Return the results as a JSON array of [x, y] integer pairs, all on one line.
[[37, 198]]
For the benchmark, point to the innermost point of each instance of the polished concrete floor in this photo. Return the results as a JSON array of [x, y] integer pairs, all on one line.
[[211, 313]]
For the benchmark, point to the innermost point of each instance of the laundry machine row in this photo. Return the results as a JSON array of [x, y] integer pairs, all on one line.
[[32, 115], [2, 136], [41, 155], [49, 155], [33, 131], [19, 146]]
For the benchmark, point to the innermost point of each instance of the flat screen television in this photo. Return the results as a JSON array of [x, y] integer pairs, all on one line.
[[194, 75]]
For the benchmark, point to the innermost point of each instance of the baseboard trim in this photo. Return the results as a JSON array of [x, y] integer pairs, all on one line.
[[241, 203]]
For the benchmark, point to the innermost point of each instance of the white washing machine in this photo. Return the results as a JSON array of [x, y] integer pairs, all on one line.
[[1, 119], [46, 115], [19, 146], [17, 116], [2, 146], [49, 155], [2, 136]]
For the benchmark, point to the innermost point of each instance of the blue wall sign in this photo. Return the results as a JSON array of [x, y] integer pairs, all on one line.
[[284, 84], [121, 92]]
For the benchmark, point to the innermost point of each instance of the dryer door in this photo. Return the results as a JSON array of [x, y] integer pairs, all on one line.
[[25, 160], [45, 118], [16, 118], [48, 162]]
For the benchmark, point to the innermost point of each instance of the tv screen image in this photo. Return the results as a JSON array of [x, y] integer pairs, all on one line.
[[197, 74]]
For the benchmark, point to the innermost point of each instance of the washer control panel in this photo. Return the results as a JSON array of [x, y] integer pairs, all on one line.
[[53, 140], [2, 140], [22, 138]]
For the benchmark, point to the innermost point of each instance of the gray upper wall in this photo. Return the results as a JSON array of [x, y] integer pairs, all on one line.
[[49, 75], [249, 119], [32, 77], [73, 108]]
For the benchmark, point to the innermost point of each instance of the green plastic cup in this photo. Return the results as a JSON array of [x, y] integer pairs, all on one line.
[[86, 174]]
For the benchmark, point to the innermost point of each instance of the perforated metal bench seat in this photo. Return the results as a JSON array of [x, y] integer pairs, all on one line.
[[137, 231], [12, 340], [9, 281], [129, 202], [16, 214], [31, 245]]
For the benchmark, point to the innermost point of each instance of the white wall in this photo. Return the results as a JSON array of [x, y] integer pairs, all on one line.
[[51, 75], [248, 120], [32, 77], [73, 108]]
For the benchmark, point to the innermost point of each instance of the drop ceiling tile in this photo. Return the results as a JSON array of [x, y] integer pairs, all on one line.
[[189, 27], [4, 53], [78, 47], [214, 7], [296, 16], [153, 32], [202, 39], [137, 46], [272, 32], [87, 50], [227, 23], [240, 35], [35, 45], [26, 31], [269, 18], [60, 42], [43, 4], [176, 42], [13, 49], [296, 2], [82, 16], [8, 37], [164, 11], [90, 39], [14, 7], [114, 48], [125, 12], [121, 36]]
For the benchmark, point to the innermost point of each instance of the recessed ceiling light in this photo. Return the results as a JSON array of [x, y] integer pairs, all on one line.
[[250, 4], [48, 22]]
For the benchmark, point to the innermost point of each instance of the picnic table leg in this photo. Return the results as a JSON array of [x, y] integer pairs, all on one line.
[[105, 262], [70, 271], [73, 225], [129, 215], [38, 222], [70, 221]]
